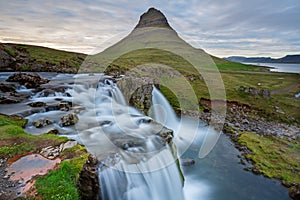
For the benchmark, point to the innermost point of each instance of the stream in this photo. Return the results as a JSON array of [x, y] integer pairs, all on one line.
[[140, 165]]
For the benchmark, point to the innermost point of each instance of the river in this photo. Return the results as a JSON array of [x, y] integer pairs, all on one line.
[[280, 67]]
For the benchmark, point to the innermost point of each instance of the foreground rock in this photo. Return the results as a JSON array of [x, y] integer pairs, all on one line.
[[88, 183], [29, 80]]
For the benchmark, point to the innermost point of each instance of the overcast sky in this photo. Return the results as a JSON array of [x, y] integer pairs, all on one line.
[[221, 27]]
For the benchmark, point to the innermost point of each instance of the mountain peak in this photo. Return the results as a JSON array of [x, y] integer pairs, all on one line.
[[153, 18]]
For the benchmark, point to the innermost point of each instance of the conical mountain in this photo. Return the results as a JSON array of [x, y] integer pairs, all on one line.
[[153, 50], [153, 18], [152, 32]]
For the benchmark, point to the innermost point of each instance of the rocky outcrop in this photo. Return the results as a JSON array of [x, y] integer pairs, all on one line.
[[294, 192], [138, 91], [8, 94], [88, 183], [5, 60], [242, 117], [29, 80], [256, 91], [153, 18]]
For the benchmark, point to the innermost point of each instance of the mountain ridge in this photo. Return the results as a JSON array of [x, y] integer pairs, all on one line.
[[286, 59]]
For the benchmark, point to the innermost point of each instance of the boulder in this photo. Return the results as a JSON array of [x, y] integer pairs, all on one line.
[[67, 145], [37, 104], [29, 80], [294, 192], [6, 88], [69, 119], [88, 183], [40, 123], [5, 59]]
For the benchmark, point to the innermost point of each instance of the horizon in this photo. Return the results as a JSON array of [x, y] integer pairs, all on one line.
[[259, 32]]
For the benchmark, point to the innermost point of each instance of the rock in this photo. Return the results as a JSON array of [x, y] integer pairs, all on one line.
[[40, 123], [294, 192], [187, 161], [69, 119], [153, 18], [67, 145], [37, 104], [5, 59], [64, 106], [29, 80], [7, 88], [50, 152], [88, 183]]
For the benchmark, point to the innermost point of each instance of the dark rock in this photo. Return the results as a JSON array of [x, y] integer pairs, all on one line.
[[64, 106], [27, 79], [294, 192], [88, 183], [187, 161], [5, 59], [7, 88], [153, 18], [40, 123], [69, 119], [37, 104], [12, 97]]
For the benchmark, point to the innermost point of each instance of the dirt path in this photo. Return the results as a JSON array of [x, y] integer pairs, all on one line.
[[285, 89]]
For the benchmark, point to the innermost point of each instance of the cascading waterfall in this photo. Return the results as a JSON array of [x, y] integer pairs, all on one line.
[[142, 166], [162, 111]]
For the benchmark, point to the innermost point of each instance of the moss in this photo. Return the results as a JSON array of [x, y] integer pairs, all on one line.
[[273, 157], [62, 183]]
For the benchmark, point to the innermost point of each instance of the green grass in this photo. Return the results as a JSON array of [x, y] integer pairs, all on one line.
[[52, 56], [62, 183], [10, 51], [233, 76], [14, 140], [273, 157]]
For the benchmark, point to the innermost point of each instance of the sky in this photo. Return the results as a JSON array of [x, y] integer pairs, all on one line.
[[220, 27]]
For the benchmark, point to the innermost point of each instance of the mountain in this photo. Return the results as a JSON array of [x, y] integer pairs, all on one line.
[[285, 59], [153, 40]]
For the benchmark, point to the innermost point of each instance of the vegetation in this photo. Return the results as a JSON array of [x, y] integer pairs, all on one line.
[[58, 184], [61, 183], [14, 141], [273, 157], [52, 56], [233, 76]]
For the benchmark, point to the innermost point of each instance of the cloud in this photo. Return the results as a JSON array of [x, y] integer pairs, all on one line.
[[233, 27]]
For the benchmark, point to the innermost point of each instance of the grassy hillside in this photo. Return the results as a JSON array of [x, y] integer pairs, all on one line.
[[35, 58], [233, 76]]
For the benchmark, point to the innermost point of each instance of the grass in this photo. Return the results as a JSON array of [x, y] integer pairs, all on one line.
[[233, 76], [273, 157], [14, 140], [57, 184], [62, 183], [52, 56]]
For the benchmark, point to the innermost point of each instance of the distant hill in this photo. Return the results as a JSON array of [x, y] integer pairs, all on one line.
[[285, 59]]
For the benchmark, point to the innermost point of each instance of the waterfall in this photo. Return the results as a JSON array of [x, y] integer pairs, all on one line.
[[143, 166], [162, 111], [162, 184]]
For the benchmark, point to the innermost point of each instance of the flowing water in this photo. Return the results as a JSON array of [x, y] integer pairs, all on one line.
[[139, 165]]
